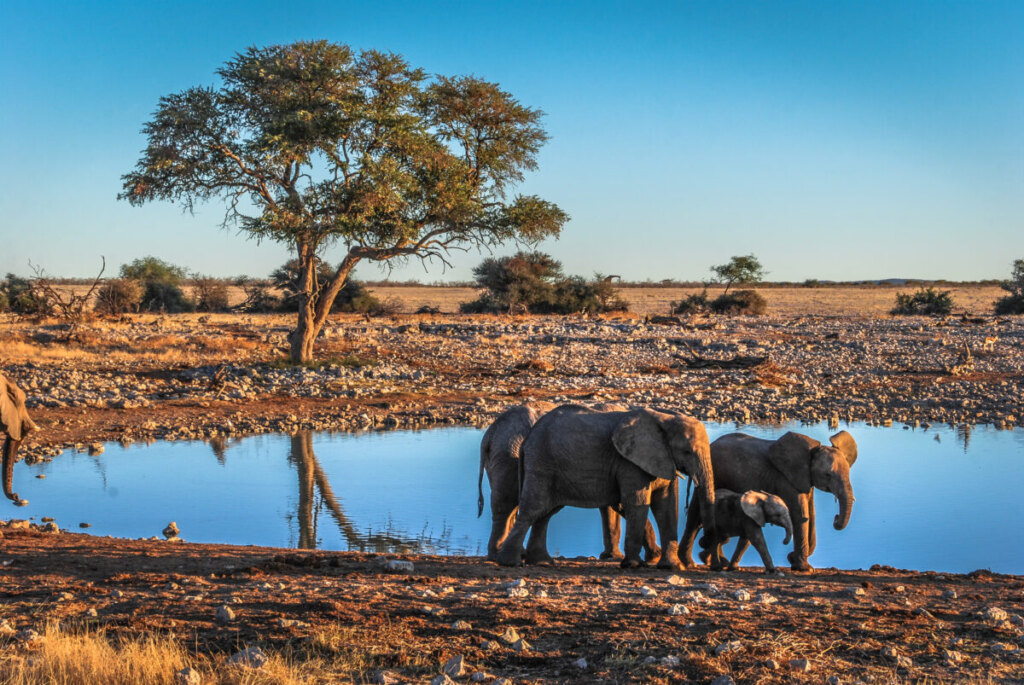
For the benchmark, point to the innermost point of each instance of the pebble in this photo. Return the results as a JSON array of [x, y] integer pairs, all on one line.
[[455, 667], [580, 663], [253, 657], [675, 580], [800, 665], [382, 677], [477, 677], [171, 531], [672, 661], [723, 680], [400, 566], [678, 610], [728, 647], [510, 635], [856, 591], [646, 591], [521, 645], [462, 625], [995, 615], [772, 665], [224, 614], [949, 594], [442, 679], [517, 592], [741, 596], [188, 676]]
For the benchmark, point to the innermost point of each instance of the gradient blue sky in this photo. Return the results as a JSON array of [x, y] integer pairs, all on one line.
[[835, 140]]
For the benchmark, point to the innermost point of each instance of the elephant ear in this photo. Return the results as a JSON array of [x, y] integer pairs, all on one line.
[[791, 454], [10, 417], [751, 503], [639, 439], [845, 443]]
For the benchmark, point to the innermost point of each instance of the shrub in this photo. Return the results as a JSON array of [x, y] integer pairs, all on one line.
[[119, 296], [1014, 302], [3, 302], [748, 302], [924, 301], [258, 297], [22, 298], [353, 297], [691, 304], [210, 294], [161, 284], [533, 282]]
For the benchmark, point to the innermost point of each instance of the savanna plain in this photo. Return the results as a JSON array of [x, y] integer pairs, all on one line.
[[81, 608]]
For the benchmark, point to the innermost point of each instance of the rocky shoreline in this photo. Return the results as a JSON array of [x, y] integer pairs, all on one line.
[[227, 377]]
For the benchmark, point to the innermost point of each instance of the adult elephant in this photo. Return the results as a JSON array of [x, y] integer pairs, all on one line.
[[15, 422], [628, 460], [790, 467], [500, 459]]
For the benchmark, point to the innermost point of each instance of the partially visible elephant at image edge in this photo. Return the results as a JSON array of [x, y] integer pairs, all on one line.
[[15, 422], [500, 452], [790, 467]]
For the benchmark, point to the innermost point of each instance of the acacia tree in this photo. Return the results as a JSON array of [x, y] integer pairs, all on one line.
[[744, 269], [312, 144]]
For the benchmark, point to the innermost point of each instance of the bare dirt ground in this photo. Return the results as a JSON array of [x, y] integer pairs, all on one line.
[[212, 376], [882, 625]]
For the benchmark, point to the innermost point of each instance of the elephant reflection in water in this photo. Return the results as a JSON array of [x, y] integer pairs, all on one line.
[[313, 478]]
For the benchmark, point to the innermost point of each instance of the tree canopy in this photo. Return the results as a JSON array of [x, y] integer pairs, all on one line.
[[742, 269], [313, 144]]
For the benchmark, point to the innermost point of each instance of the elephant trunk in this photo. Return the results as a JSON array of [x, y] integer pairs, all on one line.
[[10, 450], [787, 523], [706, 484], [844, 492]]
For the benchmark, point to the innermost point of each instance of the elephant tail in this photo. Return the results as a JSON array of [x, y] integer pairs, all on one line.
[[515, 450]]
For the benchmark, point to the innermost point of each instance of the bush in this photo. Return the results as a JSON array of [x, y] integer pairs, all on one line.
[[258, 297], [210, 294], [748, 302], [20, 297], [1014, 302], [691, 304], [353, 297], [533, 282], [161, 284], [924, 301], [119, 296]]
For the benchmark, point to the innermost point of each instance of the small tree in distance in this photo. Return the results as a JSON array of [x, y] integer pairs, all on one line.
[[311, 144], [742, 270], [1014, 302]]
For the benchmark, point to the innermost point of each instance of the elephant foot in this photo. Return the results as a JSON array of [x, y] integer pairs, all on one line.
[[654, 556], [539, 559], [668, 564], [507, 558], [612, 555], [798, 564], [632, 563], [732, 567], [704, 556]]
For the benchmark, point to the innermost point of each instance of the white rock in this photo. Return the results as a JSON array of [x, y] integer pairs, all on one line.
[[442, 679], [518, 592], [521, 645], [382, 677], [188, 676], [462, 625], [741, 596], [253, 657], [580, 663], [800, 665], [728, 647], [510, 636], [995, 615], [856, 591], [672, 661], [224, 614], [648, 591], [455, 667], [478, 677], [519, 582], [765, 598], [400, 566], [675, 580], [678, 610]]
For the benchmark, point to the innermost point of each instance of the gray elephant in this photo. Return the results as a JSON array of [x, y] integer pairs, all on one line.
[[788, 467], [579, 457], [500, 459], [742, 515], [15, 422]]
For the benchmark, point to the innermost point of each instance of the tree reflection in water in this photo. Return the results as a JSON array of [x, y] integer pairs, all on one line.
[[313, 480]]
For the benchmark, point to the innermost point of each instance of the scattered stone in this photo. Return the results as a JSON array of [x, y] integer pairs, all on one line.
[[949, 594], [772, 665], [96, 449], [91, 612], [381, 677], [952, 657], [741, 596], [723, 680], [224, 614], [253, 657], [510, 636], [442, 679], [117, 594], [580, 663], [489, 645], [672, 661], [899, 588], [675, 580], [520, 582], [695, 596], [462, 625], [6, 629], [455, 667], [646, 591], [856, 591], [765, 598], [833, 680], [50, 527], [517, 592], [290, 623], [995, 615], [188, 676], [800, 665], [400, 566], [171, 531], [678, 610], [477, 677], [521, 645], [728, 647], [28, 635]]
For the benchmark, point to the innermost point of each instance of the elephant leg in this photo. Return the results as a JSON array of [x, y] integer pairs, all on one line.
[[693, 524], [812, 536], [652, 552], [502, 520], [757, 538], [532, 507], [611, 531], [737, 555], [665, 507], [635, 516], [798, 513], [537, 547]]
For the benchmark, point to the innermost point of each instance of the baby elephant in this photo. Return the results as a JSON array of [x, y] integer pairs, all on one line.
[[743, 515]]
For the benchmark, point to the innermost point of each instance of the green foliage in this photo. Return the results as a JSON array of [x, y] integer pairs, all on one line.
[[533, 282], [1014, 302], [313, 143], [749, 302], [152, 269], [924, 301], [210, 294], [119, 296], [18, 296], [741, 270], [353, 296], [160, 283], [691, 304]]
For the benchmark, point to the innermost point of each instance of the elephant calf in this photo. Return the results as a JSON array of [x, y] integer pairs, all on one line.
[[742, 515]]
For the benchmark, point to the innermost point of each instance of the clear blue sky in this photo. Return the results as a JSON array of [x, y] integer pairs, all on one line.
[[835, 140]]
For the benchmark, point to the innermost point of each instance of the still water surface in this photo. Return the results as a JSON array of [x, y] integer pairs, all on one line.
[[938, 499]]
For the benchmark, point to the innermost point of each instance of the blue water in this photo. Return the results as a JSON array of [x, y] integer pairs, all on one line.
[[937, 499]]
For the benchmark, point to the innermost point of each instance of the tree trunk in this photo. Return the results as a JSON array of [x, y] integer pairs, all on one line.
[[314, 307]]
